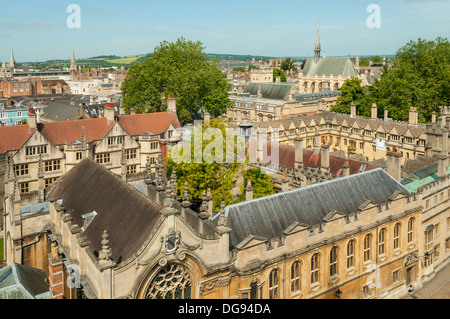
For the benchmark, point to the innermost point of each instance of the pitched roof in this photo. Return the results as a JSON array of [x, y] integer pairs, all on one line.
[[329, 66], [23, 282], [62, 132], [273, 91], [156, 123], [13, 137], [269, 216], [127, 215]]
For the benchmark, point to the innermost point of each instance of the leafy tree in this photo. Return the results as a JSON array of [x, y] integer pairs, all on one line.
[[377, 59], [179, 69], [287, 64], [280, 73], [419, 77], [262, 184], [364, 62], [239, 69], [252, 67], [353, 92], [220, 176]]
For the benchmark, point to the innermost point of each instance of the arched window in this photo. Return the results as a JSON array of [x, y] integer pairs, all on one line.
[[273, 284], [351, 253], [172, 282], [367, 247], [397, 236], [315, 268], [333, 261], [410, 229], [381, 241], [295, 276]]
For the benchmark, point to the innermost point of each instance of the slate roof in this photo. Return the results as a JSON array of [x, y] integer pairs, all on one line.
[[22, 282], [127, 215], [56, 111], [269, 216], [273, 91], [329, 66]]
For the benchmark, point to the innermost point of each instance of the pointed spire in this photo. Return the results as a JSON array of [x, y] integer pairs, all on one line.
[[186, 196], [317, 46], [12, 55], [222, 222]]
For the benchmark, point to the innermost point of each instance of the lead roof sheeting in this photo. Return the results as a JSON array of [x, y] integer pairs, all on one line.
[[269, 216]]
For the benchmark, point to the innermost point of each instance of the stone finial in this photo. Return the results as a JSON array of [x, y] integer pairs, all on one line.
[[186, 198], [105, 253], [222, 221], [249, 186], [123, 160], [54, 251]]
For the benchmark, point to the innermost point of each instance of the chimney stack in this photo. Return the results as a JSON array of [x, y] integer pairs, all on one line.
[[249, 190], [171, 105], [374, 111], [353, 110], [284, 182], [298, 145], [278, 79], [413, 116], [385, 114], [108, 112], [325, 158], [442, 166], [32, 119], [433, 117], [394, 167], [72, 101], [346, 169]]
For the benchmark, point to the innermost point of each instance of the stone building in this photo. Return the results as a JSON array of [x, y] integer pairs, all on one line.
[[359, 236], [121, 143]]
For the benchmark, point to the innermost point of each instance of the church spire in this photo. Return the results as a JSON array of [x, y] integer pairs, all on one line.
[[73, 64], [317, 46]]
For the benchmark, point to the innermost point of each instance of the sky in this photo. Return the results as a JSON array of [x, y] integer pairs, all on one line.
[[37, 30]]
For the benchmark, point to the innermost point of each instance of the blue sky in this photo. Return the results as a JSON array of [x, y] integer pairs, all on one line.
[[37, 30]]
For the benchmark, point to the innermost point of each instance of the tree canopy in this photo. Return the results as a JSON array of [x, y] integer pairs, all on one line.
[[179, 69], [353, 92], [220, 176], [288, 64], [419, 77], [280, 73]]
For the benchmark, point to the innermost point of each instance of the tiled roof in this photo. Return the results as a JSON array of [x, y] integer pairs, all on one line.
[[62, 132], [156, 123], [13, 137]]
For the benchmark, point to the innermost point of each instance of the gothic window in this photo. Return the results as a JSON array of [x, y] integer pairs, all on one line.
[[381, 242], [367, 245], [295, 277], [273, 284], [315, 268], [172, 282], [396, 235], [351, 254], [333, 261], [254, 290]]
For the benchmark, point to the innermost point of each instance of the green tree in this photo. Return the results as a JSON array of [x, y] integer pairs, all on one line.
[[376, 59], [252, 67], [419, 77], [219, 176], [261, 183], [280, 73], [353, 92], [239, 69], [287, 64], [179, 69]]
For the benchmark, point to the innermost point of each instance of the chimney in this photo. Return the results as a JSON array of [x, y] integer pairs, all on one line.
[[413, 116], [325, 158], [394, 167], [298, 145], [171, 105], [249, 190], [206, 117], [385, 113], [374, 111], [108, 112], [32, 119], [433, 117], [353, 110], [346, 169], [284, 182], [72, 101], [9, 101], [442, 166]]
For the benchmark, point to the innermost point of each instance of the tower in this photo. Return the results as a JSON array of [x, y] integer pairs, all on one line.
[[73, 64], [317, 46], [12, 62]]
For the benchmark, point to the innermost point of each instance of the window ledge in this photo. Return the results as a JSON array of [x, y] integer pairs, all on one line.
[[315, 286]]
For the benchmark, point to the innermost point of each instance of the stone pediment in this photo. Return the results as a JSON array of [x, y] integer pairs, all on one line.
[[333, 215], [295, 228], [251, 241]]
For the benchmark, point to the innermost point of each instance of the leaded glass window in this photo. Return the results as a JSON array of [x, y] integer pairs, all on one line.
[[172, 282]]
